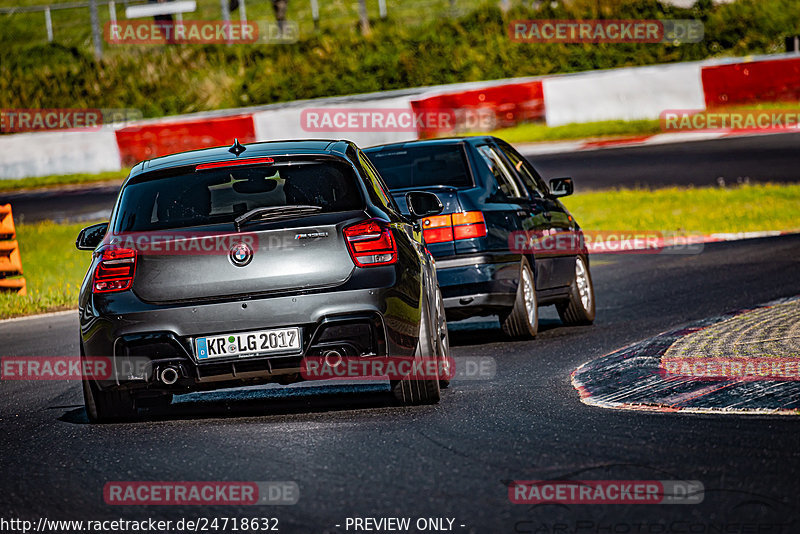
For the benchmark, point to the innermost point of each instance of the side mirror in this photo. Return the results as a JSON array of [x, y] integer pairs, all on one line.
[[91, 236], [561, 187], [422, 204]]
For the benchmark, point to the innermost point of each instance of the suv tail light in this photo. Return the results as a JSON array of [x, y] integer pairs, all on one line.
[[115, 270], [464, 225], [371, 243]]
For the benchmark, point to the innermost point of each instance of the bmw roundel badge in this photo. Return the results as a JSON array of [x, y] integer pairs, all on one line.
[[241, 254]]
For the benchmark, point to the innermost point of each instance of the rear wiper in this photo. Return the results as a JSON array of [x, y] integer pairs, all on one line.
[[266, 213]]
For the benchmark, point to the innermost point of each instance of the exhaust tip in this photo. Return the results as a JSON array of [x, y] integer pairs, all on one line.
[[169, 376], [333, 358]]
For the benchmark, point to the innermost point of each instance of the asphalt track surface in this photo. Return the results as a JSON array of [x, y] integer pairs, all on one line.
[[354, 454], [702, 163], [763, 158]]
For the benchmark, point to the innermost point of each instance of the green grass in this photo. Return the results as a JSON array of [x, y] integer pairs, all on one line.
[[52, 266], [747, 208], [421, 43], [54, 269], [35, 182]]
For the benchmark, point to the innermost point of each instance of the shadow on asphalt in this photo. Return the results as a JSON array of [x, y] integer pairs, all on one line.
[[261, 402], [487, 331]]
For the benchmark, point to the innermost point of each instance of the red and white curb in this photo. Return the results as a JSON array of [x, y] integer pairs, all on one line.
[[631, 379]]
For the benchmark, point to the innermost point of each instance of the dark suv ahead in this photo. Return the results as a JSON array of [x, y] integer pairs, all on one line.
[[504, 244], [227, 266]]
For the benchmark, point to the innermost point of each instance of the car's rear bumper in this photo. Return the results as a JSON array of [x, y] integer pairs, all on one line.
[[481, 284], [143, 343]]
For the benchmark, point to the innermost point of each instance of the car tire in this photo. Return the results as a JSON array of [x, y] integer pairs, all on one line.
[[106, 406], [580, 308], [522, 322], [410, 391], [443, 342]]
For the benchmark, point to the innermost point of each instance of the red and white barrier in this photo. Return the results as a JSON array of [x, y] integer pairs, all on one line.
[[146, 141], [289, 122], [507, 104], [623, 94], [748, 82], [58, 152]]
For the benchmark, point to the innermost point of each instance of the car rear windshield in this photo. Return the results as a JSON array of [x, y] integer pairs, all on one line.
[[422, 166], [222, 194]]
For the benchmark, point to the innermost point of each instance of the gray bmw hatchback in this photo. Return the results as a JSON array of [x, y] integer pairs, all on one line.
[[226, 267]]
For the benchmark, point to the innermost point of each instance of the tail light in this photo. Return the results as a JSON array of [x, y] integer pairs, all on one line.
[[443, 228], [371, 243], [438, 229], [115, 270]]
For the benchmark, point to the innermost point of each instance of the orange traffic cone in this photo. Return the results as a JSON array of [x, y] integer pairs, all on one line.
[[10, 260]]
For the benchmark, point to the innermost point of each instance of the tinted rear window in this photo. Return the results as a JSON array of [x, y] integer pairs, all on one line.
[[422, 166], [221, 195]]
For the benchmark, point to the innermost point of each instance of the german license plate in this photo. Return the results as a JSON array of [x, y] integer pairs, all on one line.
[[248, 344]]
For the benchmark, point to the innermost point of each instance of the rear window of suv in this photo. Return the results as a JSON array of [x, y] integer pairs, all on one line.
[[422, 166], [220, 195]]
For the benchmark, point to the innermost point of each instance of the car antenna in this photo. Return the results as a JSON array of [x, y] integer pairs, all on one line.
[[236, 149]]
